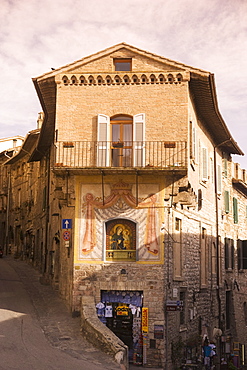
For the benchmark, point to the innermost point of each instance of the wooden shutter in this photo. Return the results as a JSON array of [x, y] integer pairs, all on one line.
[[244, 254], [225, 167], [227, 201], [232, 254], [240, 255], [227, 253], [103, 141], [138, 140], [235, 210]]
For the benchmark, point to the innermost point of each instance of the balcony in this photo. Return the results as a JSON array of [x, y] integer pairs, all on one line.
[[93, 156]]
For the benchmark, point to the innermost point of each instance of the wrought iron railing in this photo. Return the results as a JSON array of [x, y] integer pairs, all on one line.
[[127, 154]]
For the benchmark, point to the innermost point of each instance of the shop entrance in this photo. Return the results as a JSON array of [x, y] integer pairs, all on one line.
[[121, 312]]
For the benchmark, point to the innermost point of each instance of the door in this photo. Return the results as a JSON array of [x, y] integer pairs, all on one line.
[[121, 141]]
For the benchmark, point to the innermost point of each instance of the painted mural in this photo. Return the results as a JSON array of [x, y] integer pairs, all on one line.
[[120, 227]]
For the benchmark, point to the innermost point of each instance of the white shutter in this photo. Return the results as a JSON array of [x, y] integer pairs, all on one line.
[[103, 141], [138, 140], [204, 164], [219, 174]]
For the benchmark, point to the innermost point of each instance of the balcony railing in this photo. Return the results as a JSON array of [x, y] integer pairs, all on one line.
[[127, 154]]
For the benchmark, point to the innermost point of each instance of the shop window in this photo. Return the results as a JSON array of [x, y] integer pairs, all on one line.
[[121, 312], [120, 240]]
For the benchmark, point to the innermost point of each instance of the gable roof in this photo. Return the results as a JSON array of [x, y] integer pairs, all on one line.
[[71, 67], [27, 146]]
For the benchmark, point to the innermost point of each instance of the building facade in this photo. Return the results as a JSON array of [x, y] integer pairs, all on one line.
[[132, 199]]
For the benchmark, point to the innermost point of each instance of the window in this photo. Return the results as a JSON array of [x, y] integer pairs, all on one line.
[[225, 167], [228, 308], [199, 196], [204, 164], [182, 297], [229, 254], [120, 240], [192, 141], [235, 210], [123, 64], [204, 264], [227, 201], [214, 258], [121, 141], [177, 249], [245, 313], [219, 175], [242, 254]]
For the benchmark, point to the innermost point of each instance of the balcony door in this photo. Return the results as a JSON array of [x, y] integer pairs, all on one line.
[[121, 141]]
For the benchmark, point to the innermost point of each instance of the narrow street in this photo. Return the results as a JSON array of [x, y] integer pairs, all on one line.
[[36, 329]]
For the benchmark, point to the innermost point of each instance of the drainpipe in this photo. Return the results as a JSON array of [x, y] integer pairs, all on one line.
[[7, 215], [217, 238], [47, 218]]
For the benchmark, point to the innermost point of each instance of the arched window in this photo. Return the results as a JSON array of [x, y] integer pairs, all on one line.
[[121, 140], [120, 240]]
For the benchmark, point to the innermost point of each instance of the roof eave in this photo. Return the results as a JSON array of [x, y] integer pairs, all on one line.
[[205, 99]]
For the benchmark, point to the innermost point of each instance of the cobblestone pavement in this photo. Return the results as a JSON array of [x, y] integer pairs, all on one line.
[[57, 323]]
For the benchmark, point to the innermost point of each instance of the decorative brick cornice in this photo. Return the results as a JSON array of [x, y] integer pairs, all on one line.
[[127, 78]]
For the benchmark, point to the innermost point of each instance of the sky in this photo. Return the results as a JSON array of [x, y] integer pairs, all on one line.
[[36, 36]]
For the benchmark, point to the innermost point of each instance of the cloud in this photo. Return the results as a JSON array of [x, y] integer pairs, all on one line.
[[34, 37]]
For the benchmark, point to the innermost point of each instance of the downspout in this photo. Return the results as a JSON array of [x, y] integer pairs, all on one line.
[[47, 212], [7, 215], [168, 282]]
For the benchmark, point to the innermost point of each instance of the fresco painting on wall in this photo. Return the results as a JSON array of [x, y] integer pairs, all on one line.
[[119, 205]]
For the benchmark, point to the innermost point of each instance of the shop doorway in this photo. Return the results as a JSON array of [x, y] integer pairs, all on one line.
[[121, 312]]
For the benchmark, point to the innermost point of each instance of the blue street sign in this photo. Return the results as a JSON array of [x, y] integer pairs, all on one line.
[[67, 223]]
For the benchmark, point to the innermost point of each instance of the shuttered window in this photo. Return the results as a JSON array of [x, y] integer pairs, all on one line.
[[227, 201], [229, 254], [136, 154], [219, 174], [235, 210], [204, 164], [242, 254], [225, 167]]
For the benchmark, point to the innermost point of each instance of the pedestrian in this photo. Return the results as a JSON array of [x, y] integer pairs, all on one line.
[[207, 354]]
